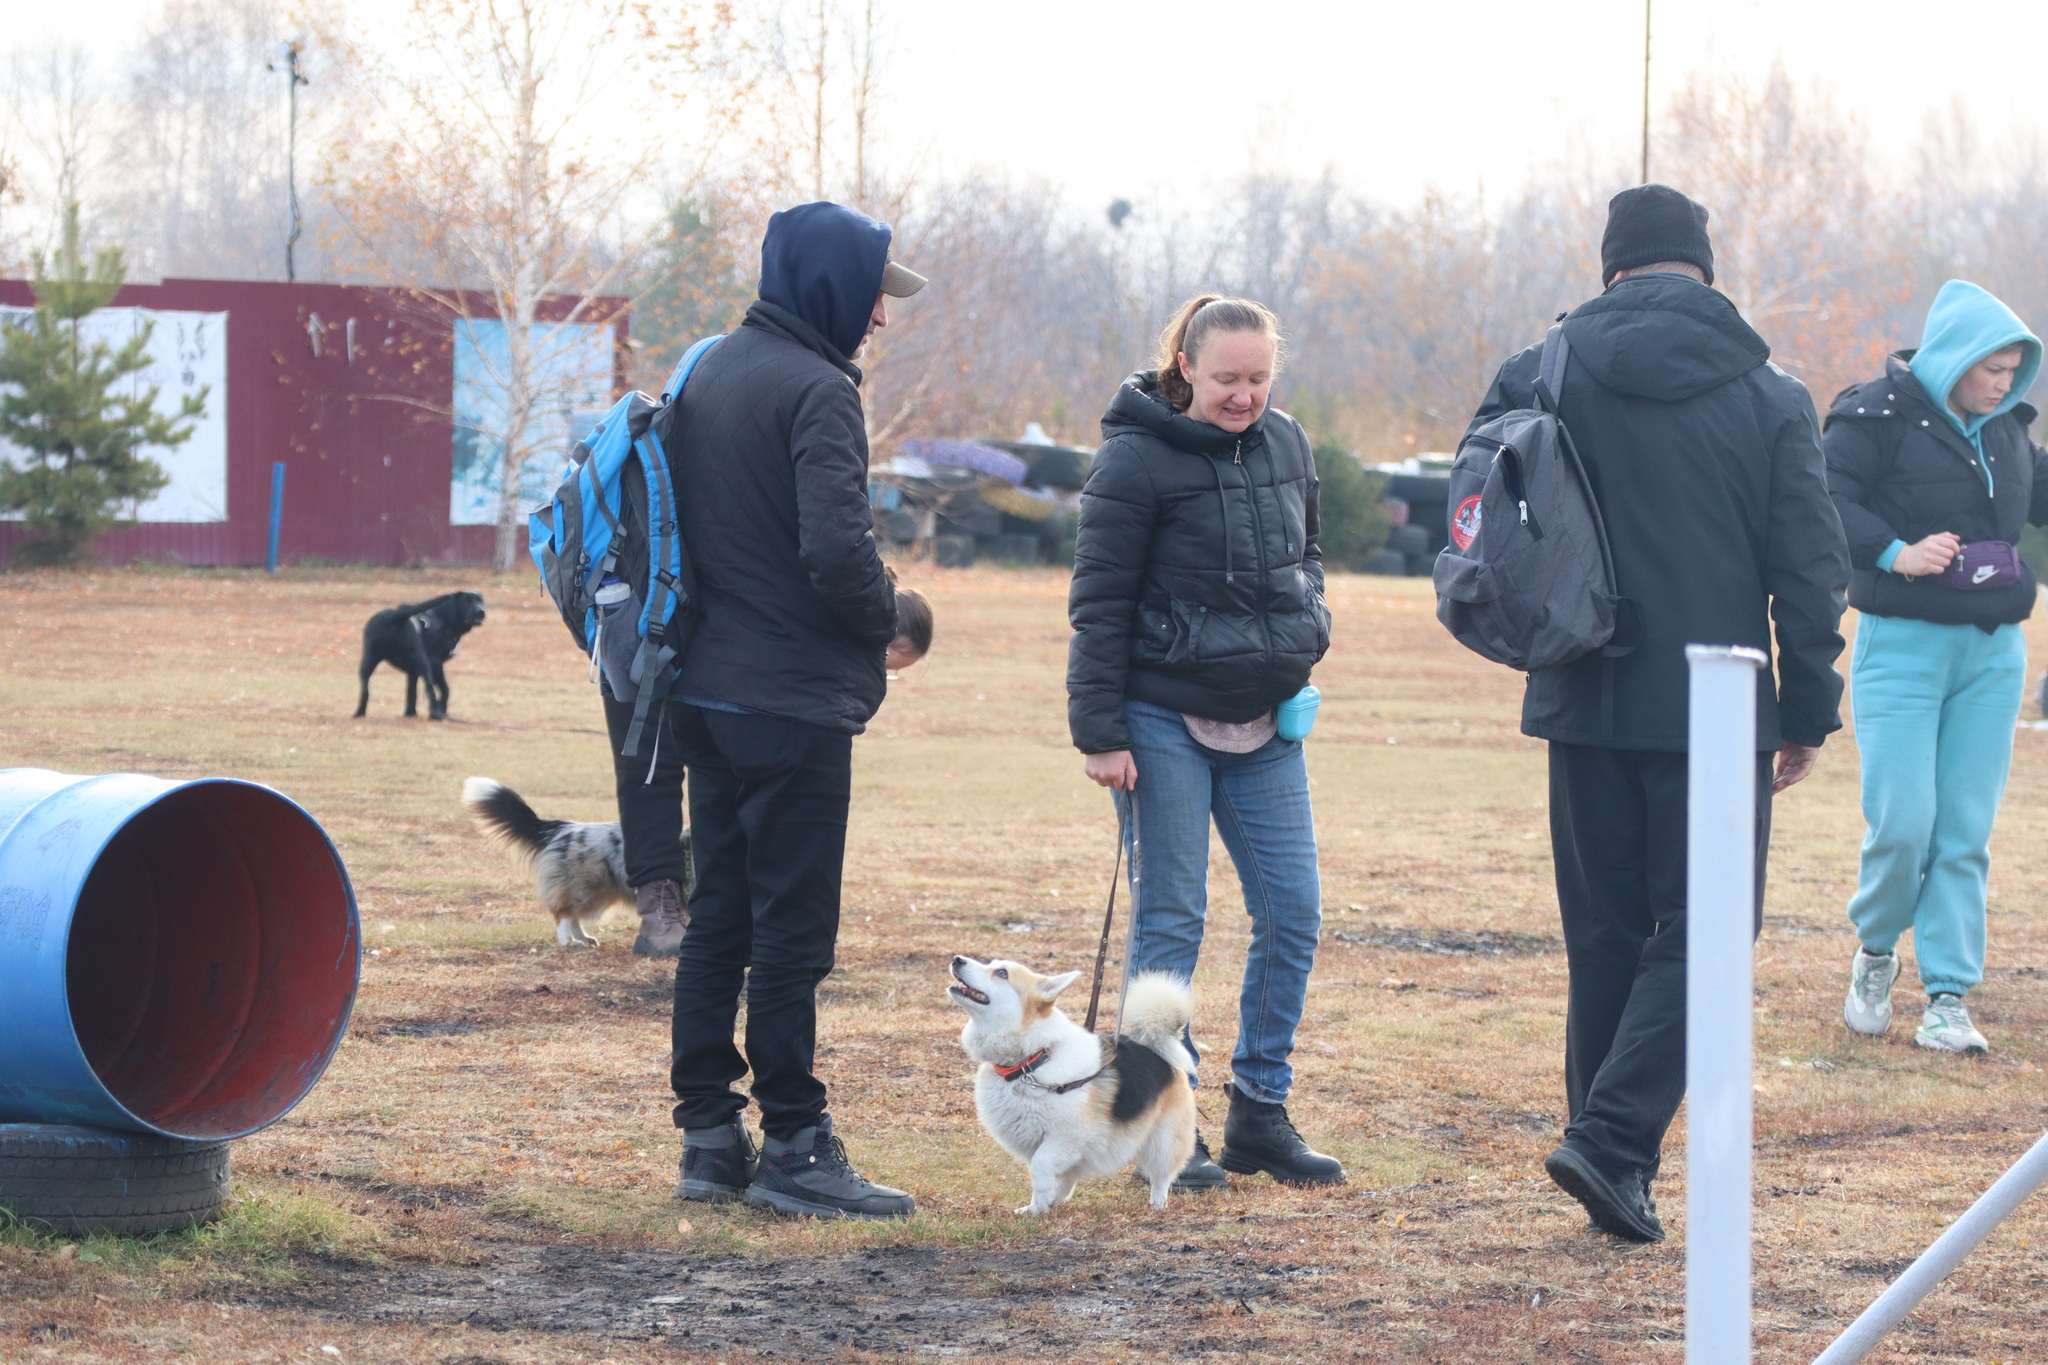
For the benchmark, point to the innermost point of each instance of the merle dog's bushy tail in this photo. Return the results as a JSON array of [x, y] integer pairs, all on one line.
[[503, 815]]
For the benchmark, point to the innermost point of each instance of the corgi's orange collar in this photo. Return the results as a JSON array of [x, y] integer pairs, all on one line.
[[1023, 1068]]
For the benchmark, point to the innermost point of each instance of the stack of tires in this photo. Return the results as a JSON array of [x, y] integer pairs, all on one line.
[[1411, 542], [178, 962], [1407, 554]]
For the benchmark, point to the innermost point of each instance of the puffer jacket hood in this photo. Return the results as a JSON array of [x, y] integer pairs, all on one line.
[[1966, 324], [824, 262], [1666, 337], [1138, 406]]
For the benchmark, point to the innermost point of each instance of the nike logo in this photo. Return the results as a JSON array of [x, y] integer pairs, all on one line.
[[1984, 571]]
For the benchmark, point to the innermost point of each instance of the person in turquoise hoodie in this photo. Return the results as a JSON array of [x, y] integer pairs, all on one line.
[[1934, 475]]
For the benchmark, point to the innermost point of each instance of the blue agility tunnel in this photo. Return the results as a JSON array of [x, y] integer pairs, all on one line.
[[176, 958]]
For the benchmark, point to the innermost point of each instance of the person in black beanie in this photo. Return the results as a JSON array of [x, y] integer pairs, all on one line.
[[1707, 466], [1654, 225]]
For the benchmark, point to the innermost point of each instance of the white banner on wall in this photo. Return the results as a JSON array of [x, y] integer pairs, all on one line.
[[188, 352]]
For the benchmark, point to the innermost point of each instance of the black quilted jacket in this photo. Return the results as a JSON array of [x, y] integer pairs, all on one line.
[[1197, 581], [770, 457], [1899, 470]]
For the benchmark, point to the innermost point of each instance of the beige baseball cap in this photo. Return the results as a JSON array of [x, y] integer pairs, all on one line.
[[900, 281]]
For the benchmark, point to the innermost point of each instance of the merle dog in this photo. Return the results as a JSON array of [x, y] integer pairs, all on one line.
[[417, 639]]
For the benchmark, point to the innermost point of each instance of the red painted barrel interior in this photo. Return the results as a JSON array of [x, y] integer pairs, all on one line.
[[213, 960]]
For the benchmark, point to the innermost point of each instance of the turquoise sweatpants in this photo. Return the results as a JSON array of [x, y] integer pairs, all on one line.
[[1935, 711]]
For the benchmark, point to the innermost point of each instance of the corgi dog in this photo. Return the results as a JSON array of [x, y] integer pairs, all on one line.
[[1054, 1097]]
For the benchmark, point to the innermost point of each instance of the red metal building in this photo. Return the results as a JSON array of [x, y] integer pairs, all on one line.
[[356, 405]]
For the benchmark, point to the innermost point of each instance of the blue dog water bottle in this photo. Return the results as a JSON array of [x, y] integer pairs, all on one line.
[[1297, 715]]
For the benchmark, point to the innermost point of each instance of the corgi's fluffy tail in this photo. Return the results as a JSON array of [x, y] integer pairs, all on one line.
[[1157, 1008]]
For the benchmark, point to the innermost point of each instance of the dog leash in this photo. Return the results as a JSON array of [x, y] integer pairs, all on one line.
[[1127, 826]]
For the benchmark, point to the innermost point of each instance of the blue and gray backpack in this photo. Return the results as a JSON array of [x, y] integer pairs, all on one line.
[[611, 556]]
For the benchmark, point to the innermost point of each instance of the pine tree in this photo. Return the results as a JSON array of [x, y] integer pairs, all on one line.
[[76, 436], [1352, 507]]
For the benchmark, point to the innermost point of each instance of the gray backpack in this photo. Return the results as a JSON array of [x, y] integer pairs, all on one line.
[[1527, 579]]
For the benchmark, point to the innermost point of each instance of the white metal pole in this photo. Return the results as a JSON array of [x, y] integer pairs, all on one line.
[[1720, 898], [2028, 1174]]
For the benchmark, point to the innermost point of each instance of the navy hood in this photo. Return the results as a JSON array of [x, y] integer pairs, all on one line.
[[823, 262]]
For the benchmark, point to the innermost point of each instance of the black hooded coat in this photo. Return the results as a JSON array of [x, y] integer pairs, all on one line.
[[1706, 462], [768, 446], [1197, 582]]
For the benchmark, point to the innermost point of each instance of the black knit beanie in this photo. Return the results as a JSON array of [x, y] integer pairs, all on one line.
[[1653, 223]]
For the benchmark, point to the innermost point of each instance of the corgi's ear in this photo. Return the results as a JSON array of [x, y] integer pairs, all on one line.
[[1051, 986]]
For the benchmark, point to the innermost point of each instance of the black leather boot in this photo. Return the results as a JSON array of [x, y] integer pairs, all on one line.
[[1201, 1172], [1260, 1137]]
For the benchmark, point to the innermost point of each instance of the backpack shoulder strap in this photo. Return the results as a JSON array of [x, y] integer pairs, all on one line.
[[681, 375], [1557, 353]]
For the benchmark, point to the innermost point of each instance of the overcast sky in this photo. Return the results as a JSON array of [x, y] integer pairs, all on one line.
[[1153, 100], [1111, 97]]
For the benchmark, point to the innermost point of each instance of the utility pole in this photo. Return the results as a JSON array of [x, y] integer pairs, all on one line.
[[1646, 92], [288, 62]]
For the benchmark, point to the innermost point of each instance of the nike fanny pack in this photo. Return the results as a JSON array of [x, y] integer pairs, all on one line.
[[1981, 565]]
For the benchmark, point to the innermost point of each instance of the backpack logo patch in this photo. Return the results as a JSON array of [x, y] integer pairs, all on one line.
[[1984, 571], [1465, 523]]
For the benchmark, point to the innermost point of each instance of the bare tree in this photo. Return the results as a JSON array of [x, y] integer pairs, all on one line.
[[203, 183], [1800, 239], [59, 109], [505, 178]]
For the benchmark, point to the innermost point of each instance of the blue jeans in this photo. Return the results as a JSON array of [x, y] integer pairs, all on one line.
[[1935, 710], [1260, 804]]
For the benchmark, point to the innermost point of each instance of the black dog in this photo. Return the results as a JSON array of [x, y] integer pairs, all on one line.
[[418, 639]]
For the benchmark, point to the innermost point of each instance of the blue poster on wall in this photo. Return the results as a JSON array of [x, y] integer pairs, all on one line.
[[572, 364]]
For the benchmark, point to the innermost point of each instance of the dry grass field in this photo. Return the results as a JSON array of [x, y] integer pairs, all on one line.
[[485, 1174]]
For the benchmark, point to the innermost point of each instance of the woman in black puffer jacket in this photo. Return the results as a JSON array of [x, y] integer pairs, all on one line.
[[1197, 608]]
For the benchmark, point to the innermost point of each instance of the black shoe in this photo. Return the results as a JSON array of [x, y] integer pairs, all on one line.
[[1620, 1207], [1200, 1173], [718, 1163], [808, 1175], [1260, 1137]]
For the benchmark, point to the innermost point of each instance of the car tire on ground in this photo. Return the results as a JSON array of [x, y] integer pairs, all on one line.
[[79, 1181], [1408, 541], [1390, 563]]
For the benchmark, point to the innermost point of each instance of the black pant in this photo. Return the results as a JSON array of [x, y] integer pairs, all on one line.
[[1617, 834], [650, 790], [768, 800]]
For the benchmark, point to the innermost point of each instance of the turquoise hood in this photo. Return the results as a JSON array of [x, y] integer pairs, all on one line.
[[1966, 324]]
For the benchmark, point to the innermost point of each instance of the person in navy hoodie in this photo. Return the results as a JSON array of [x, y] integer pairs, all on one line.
[[795, 617], [1935, 476]]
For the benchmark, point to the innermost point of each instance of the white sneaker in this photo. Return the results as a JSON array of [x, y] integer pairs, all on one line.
[[1946, 1027], [1869, 1007]]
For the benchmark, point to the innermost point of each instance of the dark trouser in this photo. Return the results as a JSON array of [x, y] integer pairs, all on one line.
[[768, 799], [650, 789], [1617, 833]]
